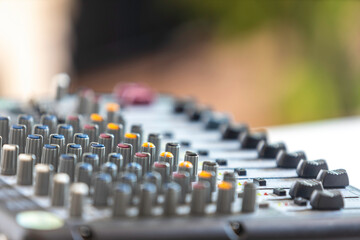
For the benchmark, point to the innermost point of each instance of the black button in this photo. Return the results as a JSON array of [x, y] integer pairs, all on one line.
[[203, 152], [240, 171], [269, 150], [310, 169], [333, 178], [326, 200], [279, 191], [260, 181], [221, 162], [168, 134], [300, 201], [289, 160], [304, 188], [185, 143]]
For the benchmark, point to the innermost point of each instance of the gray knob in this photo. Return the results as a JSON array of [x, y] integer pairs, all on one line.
[[143, 158], [34, 145], [164, 169], [183, 179], [99, 121], [67, 131], [210, 166], [138, 129], [107, 140], [60, 190], [111, 169], [83, 140], [174, 148], [92, 159], [167, 157], [78, 192], [50, 155], [199, 197], [86, 98], [131, 180], [50, 121], [154, 178], [83, 173], [126, 151], [186, 166], [134, 168], [17, 136], [75, 149], [67, 165], [134, 140], [224, 199], [4, 128], [172, 195], [111, 109], [155, 138], [119, 118], [147, 199], [75, 122], [208, 177], [117, 159], [92, 130], [117, 131], [249, 198], [43, 176], [193, 158], [42, 130], [230, 177], [102, 184], [98, 149], [28, 121], [25, 169], [9, 159], [149, 148], [58, 140], [122, 198]]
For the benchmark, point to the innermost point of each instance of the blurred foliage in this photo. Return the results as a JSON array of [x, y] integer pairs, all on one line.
[[323, 81]]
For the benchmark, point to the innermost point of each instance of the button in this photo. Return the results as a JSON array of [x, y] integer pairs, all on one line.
[[210, 166], [135, 168], [25, 169], [194, 159], [134, 140], [34, 143], [83, 140], [224, 199], [117, 131], [85, 97], [119, 119], [92, 159], [39, 220], [67, 131], [300, 201], [167, 157], [310, 169], [98, 149], [214, 120], [122, 198], [221, 162], [107, 140], [326, 200], [304, 188], [67, 165], [155, 138], [172, 194], [131, 180], [174, 148], [147, 199], [117, 159], [83, 173], [78, 192], [92, 130], [154, 178], [42, 130], [185, 143], [333, 178], [4, 128], [111, 169], [102, 183], [60, 190], [230, 177], [199, 197], [43, 174], [75, 122], [249, 198], [183, 179], [251, 140], [144, 159], [99, 121], [17, 136], [240, 171], [259, 181], [164, 169], [279, 191], [232, 131], [126, 151], [50, 155], [111, 109], [28, 121], [150, 148], [211, 179], [59, 140], [203, 152], [50, 121], [269, 150], [289, 160], [138, 129], [168, 134], [9, 159], [186, 167], [75, 149]]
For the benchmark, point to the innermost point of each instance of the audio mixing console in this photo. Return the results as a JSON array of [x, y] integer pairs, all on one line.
[[136, 165]]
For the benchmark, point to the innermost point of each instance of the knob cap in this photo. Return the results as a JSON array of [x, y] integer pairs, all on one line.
[[147, 199], [60, 190], [310, 169], [193, 158], [102, 183], [50, 121], [67, 131], [249, 198], [28, 121], [150, 148], [224, 199], [9, 159], [107, 140], [155, 138], [25, 169], [42, 130], [50, 155], [78, 192], [199, 197], [58, 139], [67, 165], [83, 140], [134, 140], [126, 151], [122, 198], [4, 128], [172, 196], [34, 143], [18, 136], [43, 176], [83, 173]]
